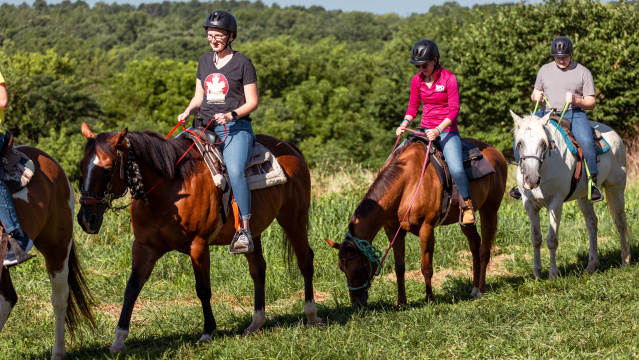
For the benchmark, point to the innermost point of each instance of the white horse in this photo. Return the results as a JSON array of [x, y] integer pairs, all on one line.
[[544, 181]]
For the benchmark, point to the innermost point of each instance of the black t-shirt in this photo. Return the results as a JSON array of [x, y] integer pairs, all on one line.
[[224, 87]]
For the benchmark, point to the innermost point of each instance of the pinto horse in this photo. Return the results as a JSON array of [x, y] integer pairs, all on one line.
[[387, 202], [180, 212], [542, 180], [45, 209]]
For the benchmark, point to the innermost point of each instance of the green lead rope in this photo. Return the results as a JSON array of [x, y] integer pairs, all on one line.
[[584, 160]]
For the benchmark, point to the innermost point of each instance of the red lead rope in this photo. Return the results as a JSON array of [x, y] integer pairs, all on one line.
[[421, 177]]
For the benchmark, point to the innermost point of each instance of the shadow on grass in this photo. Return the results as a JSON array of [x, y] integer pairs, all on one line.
[[146, 347], [608, 260]]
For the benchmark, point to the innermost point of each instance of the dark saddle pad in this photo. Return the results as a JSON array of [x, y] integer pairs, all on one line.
[[17, 169], [475, 165]]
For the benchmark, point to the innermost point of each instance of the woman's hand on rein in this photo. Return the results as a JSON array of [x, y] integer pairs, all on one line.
[[183, 116], [400, 130], [223, 118], [432, 134]]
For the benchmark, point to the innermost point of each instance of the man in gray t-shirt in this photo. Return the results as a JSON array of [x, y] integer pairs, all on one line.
[[566, 82]]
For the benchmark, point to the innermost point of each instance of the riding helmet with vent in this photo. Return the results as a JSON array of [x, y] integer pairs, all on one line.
[[223, 20], [423, 52], [560, 47]]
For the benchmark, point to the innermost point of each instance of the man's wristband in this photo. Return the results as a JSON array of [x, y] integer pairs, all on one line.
[[438, 129]]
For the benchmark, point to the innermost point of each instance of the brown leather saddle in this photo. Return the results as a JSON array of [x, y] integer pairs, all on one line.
[[17, 169], [601, 146], [16, 172], [263, 169], [475, 165]]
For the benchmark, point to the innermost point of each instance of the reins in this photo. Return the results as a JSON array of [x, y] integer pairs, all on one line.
[[88, 198], [365, 247]]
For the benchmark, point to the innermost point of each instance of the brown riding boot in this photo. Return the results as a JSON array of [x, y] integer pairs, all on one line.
[[468, 214]]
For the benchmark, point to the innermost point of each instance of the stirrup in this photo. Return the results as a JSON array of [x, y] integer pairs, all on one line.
[[20, 255], [241, 248], [595, 194], [515, 193]]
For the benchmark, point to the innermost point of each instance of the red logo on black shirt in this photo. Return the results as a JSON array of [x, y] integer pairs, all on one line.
[[216, 87]]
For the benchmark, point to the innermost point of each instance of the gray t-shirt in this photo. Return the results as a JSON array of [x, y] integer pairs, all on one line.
[[555, 82], [224, 87]]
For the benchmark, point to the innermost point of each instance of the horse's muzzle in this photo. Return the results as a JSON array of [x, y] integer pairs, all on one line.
[[359, 298], [90, 218]]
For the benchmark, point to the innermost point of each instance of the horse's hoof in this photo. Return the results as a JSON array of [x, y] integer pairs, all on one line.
[[116, 349], [205, 338], [476, 293], [315, 322], [249, 330]]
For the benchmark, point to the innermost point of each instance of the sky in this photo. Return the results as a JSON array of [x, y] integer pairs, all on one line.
[[399, 7]]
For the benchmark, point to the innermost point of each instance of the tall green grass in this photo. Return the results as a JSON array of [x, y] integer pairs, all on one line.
[[577, 315]]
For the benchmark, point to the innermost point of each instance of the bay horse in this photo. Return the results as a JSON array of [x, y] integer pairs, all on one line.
[[45, 210], [180, 212], [388, 200], [543, 182]]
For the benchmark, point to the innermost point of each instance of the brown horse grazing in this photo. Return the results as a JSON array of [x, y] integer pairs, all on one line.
[[181, 212], [45, 210], [386, 203]]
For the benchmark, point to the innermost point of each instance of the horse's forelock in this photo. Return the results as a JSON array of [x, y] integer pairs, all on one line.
[[103, 146], [533, 123]]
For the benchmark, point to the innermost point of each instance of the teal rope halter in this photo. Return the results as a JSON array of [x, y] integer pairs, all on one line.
[[371, 254]]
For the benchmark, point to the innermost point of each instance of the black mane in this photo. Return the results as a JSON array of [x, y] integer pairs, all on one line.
[[156, 151]]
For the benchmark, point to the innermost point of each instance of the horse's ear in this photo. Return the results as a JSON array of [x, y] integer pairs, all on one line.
[[544, 120], [118, 140], [332, 243], [86, 131], [516, 118]]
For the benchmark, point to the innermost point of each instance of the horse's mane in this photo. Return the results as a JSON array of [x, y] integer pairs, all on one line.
[[533, 123], [156, 151], [386, 178]]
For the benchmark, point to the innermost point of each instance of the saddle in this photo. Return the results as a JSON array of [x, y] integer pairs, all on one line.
[[17, 169], [565, 129], [262, 171], [475, 166]]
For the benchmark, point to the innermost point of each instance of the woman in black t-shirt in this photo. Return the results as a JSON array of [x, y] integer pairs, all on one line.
[[225, 94]]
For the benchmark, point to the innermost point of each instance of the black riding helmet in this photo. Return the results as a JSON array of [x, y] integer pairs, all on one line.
[[222, 20], [560, 47], [423, 52]]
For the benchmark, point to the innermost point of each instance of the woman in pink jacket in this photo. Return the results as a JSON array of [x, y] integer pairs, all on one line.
[[436, 88]]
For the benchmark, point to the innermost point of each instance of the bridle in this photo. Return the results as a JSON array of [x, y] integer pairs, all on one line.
[[524, 157], [364, 248], [133, 183]]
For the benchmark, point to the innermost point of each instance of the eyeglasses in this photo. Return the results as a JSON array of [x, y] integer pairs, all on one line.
[[216, 37], [424, 65]]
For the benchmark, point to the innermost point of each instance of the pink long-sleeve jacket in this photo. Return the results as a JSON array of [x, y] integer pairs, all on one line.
[[440, 101]]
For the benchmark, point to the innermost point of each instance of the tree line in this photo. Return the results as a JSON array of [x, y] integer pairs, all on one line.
[[334, 83]]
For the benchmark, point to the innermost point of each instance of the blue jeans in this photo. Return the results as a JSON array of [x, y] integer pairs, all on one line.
[[8, 214], [450, 143], [237, 149], [583, 134]]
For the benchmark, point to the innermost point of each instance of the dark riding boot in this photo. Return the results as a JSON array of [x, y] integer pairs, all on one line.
[[595, 194], [514, 193], [242, 243], [20, 244], [468, 214]]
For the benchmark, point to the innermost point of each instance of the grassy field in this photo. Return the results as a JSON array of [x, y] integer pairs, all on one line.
[[577, 315]]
